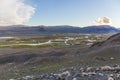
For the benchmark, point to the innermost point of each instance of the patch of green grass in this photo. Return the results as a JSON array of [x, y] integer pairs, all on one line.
[[28, 46], [50, 67]]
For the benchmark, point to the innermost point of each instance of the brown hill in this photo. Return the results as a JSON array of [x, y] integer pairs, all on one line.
[[106, 50], [113, 40]]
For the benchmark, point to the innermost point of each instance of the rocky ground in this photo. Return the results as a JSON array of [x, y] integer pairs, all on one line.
[[79, 73]]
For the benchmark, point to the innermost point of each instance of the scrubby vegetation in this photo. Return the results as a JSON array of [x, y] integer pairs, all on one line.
[[51, 41]]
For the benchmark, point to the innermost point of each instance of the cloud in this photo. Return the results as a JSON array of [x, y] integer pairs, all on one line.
[[14, 12], [103, 21]]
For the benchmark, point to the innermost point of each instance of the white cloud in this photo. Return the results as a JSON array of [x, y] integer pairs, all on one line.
[[103, 21], [14, 12]]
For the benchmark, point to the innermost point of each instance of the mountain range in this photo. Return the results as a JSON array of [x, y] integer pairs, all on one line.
[[26, 30]]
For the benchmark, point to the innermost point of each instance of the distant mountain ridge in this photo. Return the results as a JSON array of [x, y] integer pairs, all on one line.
[[100, 29], [88, 29], [23, 29]]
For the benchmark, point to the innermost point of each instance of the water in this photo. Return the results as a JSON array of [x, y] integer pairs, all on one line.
[[6, 37], [36, 44]]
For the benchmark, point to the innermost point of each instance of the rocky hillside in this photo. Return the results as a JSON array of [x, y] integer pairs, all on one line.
[[114, 40], [106, 50]]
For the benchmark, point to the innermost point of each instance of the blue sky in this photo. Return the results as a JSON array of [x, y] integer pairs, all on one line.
[[73, 12]]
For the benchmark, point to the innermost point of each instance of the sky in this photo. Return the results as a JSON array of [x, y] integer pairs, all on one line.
[[60, 12]]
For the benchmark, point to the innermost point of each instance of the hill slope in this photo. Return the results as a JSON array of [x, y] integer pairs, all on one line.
[[107, 49]]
